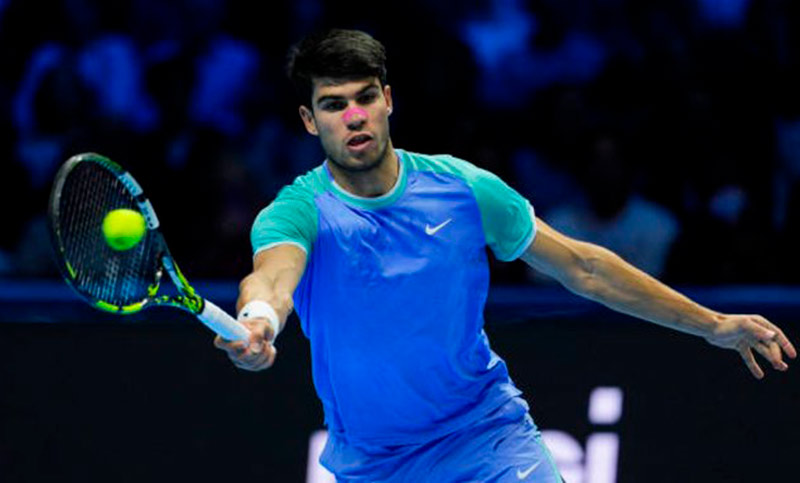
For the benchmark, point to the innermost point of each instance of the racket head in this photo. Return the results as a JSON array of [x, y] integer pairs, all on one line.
[[86, 188]]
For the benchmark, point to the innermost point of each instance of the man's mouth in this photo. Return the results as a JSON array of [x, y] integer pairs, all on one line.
[[359, 141]]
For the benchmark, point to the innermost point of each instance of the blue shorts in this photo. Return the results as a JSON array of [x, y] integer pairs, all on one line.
[[506, 446]]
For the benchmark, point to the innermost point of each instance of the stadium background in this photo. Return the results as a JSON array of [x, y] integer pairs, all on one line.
[[666, 130]]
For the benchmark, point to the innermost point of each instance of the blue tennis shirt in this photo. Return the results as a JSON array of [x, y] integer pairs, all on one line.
[[393, 294]]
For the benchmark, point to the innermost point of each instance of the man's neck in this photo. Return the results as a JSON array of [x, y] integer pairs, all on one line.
[[372, 183]]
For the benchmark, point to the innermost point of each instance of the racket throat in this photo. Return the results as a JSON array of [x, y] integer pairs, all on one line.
[[188, 298]]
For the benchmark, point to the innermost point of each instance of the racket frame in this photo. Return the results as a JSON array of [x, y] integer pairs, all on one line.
[[187, 298]]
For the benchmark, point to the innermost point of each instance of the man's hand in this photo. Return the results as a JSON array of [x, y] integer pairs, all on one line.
[[255, 355], [744, 333], [276, 273]]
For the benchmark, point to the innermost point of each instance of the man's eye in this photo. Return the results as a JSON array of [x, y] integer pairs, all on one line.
[[334, 106], [367, 98]]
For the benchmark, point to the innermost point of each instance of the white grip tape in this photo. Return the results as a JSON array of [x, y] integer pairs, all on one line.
[[258, 309], [223, 324]]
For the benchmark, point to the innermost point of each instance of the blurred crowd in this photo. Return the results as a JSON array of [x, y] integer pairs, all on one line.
[[667, 130]]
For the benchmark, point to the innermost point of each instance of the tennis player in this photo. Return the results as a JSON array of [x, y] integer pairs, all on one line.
[[382, 252]]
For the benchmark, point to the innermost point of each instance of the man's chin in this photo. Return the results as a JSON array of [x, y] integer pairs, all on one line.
[[358, 163], [357, 166]]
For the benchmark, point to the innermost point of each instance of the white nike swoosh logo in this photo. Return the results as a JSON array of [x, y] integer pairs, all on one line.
[[521, 475], [432, 230]]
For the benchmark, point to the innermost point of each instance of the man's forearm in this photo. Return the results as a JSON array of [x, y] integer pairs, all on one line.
[[622, 287], [276, 273], [273, 289], [599, 274]]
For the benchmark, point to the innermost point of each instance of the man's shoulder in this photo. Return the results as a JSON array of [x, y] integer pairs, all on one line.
[[307, 184], [440, 164]]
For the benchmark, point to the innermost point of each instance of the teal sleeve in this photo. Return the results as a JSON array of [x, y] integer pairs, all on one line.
[[509, 224], [291, 218]]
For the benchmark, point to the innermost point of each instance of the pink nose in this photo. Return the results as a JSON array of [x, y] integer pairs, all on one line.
[[354, 113]]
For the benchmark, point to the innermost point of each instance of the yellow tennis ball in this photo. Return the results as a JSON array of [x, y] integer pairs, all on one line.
[[123, 228]]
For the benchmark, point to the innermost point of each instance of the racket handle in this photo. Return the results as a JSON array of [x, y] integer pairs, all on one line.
[[223, 324]]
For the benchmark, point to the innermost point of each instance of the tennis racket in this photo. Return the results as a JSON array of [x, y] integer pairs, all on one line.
[[86, 188]]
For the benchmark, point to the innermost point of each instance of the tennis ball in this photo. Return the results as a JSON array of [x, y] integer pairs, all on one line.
[[123, 228]]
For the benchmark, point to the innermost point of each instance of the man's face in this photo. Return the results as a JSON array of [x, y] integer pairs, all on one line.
[[351, 119]]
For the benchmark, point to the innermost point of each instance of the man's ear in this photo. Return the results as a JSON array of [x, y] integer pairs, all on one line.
[[387, 94], [308, 120]]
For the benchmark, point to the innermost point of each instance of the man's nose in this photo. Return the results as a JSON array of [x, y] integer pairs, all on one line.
[[354, 117]]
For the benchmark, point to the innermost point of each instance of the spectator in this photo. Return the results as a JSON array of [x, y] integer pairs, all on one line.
[[615, 217]]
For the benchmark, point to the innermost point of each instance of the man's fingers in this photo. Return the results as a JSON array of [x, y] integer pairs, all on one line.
[[778, 336], [787, 346], [266, 359], [750, 361], [771, 352], [255, 354], [228, 345], [273, 354], [256, 360], [261, 356], [783, 342], [221, 343], [260, 330], [757, 331], [776, 356], [258, 364]]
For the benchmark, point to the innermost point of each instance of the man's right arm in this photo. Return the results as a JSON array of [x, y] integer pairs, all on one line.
[[276, 273]]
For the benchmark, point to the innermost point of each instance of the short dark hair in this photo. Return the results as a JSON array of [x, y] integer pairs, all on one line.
[[335, 53]]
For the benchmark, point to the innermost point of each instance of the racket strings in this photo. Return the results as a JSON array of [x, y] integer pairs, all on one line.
[[120, 278]]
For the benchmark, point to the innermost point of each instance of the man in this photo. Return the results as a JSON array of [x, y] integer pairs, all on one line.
[[383, 253]]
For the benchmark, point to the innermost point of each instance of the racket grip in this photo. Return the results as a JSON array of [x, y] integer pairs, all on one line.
[[223, 324]]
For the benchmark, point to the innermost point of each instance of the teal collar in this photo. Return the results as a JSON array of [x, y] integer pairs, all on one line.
[[385, 199]]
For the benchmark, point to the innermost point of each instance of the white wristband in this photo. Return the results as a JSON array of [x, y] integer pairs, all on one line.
[[258, 309]]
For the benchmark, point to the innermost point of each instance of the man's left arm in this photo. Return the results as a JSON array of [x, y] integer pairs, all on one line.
[[600, 275]]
